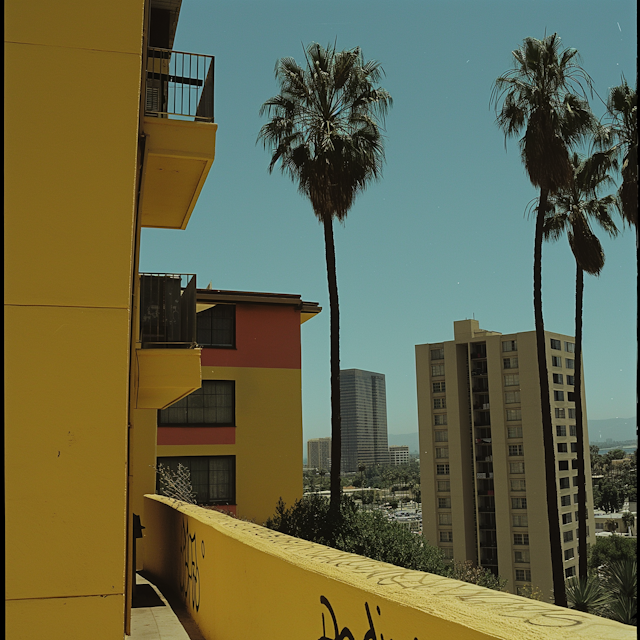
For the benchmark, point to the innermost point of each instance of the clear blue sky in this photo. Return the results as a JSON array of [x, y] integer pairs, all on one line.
[[442, 236]]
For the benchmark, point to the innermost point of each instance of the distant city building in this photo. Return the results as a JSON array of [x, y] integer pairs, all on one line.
[[399, 454], [319, 453], [363, 407], [482, 460]]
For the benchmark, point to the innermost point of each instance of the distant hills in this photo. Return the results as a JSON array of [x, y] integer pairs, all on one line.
[[613, 429], [619, 429]]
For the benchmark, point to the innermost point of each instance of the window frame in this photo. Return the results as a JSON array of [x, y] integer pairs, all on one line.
[[162, 418], [211, 344]]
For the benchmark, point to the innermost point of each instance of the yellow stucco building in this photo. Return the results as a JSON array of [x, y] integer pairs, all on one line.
[[99, 143], [482, 456]]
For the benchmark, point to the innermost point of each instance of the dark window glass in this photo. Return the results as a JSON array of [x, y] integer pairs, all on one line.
[[217, 326], [563, 465], [213, 403], [213, 478]]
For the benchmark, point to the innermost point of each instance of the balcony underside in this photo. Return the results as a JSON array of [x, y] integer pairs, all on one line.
[[166, 375], [178, 156]]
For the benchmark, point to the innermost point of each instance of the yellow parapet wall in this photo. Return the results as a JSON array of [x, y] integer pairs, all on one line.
[[240, 580]]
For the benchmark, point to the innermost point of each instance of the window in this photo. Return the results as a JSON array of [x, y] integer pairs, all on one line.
[[523, 575], [216, 327], [442, 435], [511, 397], [442, 469], [564, 483], [521, 555], [521, 538], [213, 478], [444, 485], [512, 380], [557, 378], [563, 465], [514, 432], [437, 370], [518, 503], [518, 485], [574, 463], [446, 536], [575, 481], [559, 413], [569, 347], [567, 536], [576, 515], [569, 572], [558, 396], [444, 503], [213, 403], [442, 452], [556, 361], [510, 363], [438, 387], [561, 430], [566, 518], [514, 414], [439, 403], [568, 554], [562, 447], [516, 450], [572, 430], [571, 396], [565, 501], [574, 447], [509, 345], [437, 354], [520, 521], [447, 552], [556, 344], [571, 380], [516, 467], [444, 518], [572, 414], [569, 364], [575, 498], [440, 418]]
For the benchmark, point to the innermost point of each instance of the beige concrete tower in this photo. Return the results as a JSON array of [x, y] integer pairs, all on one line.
[[482, 456]]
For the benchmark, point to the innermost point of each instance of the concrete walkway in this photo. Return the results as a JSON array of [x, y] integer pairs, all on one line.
[[155, 622]]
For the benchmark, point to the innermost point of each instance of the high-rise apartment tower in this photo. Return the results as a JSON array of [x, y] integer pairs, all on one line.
[[319, 453], [482, 455], [363, 406]]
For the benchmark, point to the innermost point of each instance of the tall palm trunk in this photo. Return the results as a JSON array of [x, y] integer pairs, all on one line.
[[557, 568], [582, 475], [336, 433]]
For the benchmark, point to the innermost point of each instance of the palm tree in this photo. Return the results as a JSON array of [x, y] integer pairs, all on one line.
[[324, 130], [538, 96], [621, 581], [587, 594], [570, 210]]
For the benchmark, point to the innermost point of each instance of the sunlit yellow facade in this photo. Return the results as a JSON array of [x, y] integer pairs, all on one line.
[[81, 161]]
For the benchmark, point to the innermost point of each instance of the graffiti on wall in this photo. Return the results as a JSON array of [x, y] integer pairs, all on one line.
[[189, 571], [345, 633]]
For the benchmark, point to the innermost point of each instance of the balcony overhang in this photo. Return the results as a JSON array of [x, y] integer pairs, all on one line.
[[166, 375], [178, 156]]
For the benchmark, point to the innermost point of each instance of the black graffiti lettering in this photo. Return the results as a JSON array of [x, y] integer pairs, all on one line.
[[371, 633], [338, 635], [190, 573]]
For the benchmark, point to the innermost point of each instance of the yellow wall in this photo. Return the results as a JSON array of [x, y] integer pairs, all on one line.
[[70, 185], [238, 577], [268, 438]]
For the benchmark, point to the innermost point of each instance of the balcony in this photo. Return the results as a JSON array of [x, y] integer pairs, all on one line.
[[217, 564], [179, 135], [168, 362]]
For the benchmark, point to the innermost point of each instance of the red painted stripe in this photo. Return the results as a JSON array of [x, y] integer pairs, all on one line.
[[196, 435], [267, 336]]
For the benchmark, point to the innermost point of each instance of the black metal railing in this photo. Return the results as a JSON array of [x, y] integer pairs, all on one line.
[[167, 310], [179, 84]]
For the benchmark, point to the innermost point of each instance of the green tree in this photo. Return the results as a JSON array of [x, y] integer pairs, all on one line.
[[611, 549], [539, 95], [611, 498], [324, 130], [571, 210]]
